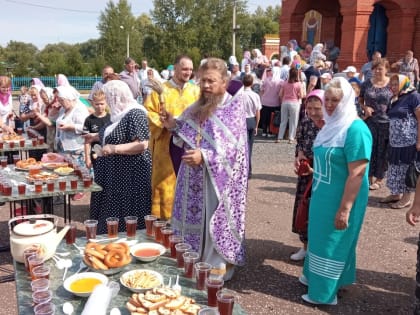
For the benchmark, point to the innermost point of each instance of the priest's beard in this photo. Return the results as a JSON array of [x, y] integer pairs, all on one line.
[[206, 105]]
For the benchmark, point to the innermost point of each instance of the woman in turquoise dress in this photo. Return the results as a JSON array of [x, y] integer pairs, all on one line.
[[340, 190]]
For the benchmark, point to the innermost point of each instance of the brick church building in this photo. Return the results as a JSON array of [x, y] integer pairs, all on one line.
[[357, 27]]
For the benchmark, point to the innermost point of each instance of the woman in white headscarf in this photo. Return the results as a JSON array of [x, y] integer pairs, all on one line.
[[342, 151], [317, 54], [124, 170]]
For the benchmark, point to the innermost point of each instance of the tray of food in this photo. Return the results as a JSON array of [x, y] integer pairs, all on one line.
[[141, 280], [54, 165], [63, 170], [28, 164], [12, 137], [41, 176]]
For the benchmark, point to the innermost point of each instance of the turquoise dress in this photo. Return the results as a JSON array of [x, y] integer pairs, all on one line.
[[331, 257]]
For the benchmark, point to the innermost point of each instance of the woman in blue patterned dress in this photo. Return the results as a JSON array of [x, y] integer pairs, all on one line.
[[404, 139], [374, 98], [340, 191], [124, 171]]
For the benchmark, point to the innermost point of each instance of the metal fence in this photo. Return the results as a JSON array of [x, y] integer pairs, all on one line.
[[79, 83]]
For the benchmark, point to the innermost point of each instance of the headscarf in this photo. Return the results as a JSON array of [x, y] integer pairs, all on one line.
[[317, 93], [49, 91], [404, 86], [247, 55], [68, 93], [37, 81], [62, 80], [334, 133], [120, 101], [294, 43]]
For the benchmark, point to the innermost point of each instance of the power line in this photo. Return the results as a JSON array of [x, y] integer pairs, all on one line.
[[51, 8]]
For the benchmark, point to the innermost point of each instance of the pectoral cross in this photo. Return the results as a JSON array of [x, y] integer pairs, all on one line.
[[198, 137]]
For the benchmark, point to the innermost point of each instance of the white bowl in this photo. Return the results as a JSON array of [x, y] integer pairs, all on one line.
[[83, 275], [157, 282], [150, 245]]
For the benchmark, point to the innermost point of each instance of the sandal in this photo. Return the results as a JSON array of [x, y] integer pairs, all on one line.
[[390, 198], [400, 205], [375, 186]]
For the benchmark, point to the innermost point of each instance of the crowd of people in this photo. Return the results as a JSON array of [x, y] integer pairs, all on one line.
[[178, 145]]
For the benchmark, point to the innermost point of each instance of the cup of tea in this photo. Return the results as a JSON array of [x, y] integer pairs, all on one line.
[[157, 230], [225, 301], [131, 226], [45, 309], [41, 140], [190, 258], [73, 182], [40, 285], [208, 311], [34, 261], [16, 158], [34, 142], [1, 144], [7, 189], [38, 187], [213, 284], [62, 184], [3, 161], [181, 248], [148, 220], [112, 226], [91, 226], [202, 271], [11, 144], [173, 240], [19, 131], [21, 188], [50, 185], [166, 233], [22, 143], [31, 250], [71, 234]]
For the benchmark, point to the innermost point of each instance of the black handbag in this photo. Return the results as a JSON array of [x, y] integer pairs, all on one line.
[[411, 175], [277, 118]]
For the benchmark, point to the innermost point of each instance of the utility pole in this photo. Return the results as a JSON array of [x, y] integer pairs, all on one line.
[[234, 28]]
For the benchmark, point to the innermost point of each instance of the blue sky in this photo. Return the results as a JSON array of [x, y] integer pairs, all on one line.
[[42, 22]]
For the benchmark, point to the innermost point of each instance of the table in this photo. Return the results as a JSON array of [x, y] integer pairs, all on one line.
[[23, 151], [20, 176], [164, 265]]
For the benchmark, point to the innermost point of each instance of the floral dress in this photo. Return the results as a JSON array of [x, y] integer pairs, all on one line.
[[305, 136], [402, 140]]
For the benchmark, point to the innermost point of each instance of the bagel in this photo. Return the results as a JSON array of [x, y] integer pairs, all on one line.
[[115, 258], [120, 246]]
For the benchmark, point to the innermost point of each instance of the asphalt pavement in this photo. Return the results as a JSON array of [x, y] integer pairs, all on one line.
[[268, 283]]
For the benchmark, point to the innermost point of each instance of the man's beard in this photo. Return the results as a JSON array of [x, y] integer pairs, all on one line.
[[206, 105]]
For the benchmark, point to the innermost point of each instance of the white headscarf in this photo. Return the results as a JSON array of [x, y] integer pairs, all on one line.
[[120, 101], [334, 133], [68, 92]]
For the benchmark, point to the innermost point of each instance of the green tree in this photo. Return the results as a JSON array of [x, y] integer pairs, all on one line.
[[116, 24], [20, 57]]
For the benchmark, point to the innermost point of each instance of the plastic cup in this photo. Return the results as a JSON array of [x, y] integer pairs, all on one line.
[[11, 144], [87, 181], [38, 187], [1, 145], [173, 240], [157, 230], [19, 131], [21, 189], [29, 251], [41, 272], [16, 158], [213, 285], [202, 271], [40, 285], [62, 184], [73, 183], [112, 226], [190, 258], [91, 226], [131, 225], [40, 297], [34, 142], [7, 189], [50, 185], [148, 220], [3, 161], [22, 143], [166, 232], [33, 262], [41, 140], [45, 309], [225, 301], [71, 234], [181, 248]]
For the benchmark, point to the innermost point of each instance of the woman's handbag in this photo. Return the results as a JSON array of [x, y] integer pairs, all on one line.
[[277, 118], [302, 212], [411, 175]]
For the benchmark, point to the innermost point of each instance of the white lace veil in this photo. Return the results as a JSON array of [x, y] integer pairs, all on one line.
[[334, 132]]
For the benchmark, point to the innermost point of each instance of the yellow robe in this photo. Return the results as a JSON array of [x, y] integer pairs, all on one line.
[[163, 174]]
